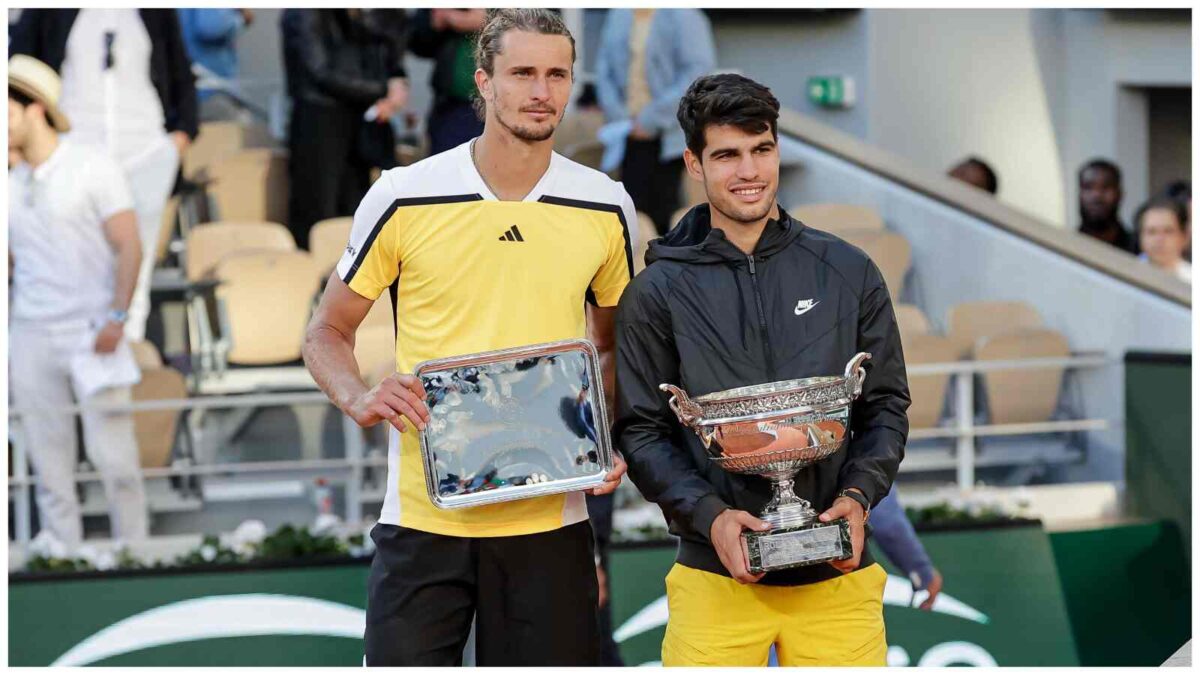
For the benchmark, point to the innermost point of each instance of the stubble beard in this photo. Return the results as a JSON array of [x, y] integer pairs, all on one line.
[[529, 134]]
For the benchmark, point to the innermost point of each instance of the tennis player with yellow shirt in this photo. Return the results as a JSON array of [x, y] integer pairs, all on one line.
[[496, 243]]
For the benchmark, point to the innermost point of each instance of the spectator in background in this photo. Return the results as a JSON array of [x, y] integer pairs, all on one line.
[[647, 59], [447, 37], [127, 86], [975, 171], [1160, 227], [600, 513], [211, 38], [898, 541], [345, 75], [1099, 200], [1181, 192], [74, 252]]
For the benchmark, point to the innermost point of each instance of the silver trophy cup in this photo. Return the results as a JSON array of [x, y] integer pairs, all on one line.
[[774, 430]]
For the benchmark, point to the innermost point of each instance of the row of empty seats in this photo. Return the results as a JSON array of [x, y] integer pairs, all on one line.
[[268, 289], [984, 331]]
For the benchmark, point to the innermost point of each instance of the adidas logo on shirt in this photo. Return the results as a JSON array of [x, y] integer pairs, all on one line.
[[513, 234]]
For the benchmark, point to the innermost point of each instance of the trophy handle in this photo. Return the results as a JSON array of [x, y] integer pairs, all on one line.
[[855, 373], [683, 407]]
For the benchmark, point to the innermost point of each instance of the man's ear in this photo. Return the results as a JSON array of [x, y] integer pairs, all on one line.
[[483, 83], [692, 162]]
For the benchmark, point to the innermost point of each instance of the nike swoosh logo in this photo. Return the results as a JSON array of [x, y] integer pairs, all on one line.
[[804, 306]]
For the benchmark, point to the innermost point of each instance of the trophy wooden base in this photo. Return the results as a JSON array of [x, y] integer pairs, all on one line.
[[788, 547]]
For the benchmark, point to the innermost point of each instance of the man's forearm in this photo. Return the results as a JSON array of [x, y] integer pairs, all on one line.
[[129, 263], [329, 356]]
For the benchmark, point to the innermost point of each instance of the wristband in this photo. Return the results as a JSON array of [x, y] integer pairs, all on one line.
[[861, 499]]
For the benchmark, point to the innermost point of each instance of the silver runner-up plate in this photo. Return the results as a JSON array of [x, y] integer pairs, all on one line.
[[514, 424]]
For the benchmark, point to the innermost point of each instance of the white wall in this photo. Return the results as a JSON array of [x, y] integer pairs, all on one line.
[[950, 83], [783, 50]]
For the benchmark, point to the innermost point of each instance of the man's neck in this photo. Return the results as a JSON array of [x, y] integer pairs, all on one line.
[[1111, 223], [510, 166], [745, 236], [39, 148]]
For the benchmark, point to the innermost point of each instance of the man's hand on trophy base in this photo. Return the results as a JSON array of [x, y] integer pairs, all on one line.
[[396, 398], [845, 507], [613, 479], [726, 538]]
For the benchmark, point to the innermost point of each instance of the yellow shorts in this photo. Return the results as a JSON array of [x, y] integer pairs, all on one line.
[[716, 621]]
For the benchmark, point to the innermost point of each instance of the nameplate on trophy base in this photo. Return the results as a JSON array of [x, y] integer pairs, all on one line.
[[798, 546]]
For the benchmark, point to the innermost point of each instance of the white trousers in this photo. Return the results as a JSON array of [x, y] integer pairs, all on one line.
[[40, 381], [151, 177]]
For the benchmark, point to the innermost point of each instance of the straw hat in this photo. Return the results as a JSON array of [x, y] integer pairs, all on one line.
[[39, 82]]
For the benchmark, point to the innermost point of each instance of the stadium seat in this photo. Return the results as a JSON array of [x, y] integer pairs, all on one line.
[[156, 429], [375, 351], [692, 191], [380, 315], [258, 135], [210, 243], [838, 218], [146, 354], [646, 232], [170, 220], [580, 126], [967, 322], [1026, 395], [215, 141], [928, 392], [587, 153], [911, 321], [267, 298], [327, 242], [249, 185], [890, 252]]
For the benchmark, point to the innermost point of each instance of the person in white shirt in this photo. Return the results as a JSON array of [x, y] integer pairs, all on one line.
[[1161, 224], [74, 253], [127, 88]]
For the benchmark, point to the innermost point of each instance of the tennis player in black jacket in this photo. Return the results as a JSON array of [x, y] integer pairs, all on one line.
[[739, 293]]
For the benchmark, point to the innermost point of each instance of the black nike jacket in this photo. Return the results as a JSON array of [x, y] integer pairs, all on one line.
[[705, 316]]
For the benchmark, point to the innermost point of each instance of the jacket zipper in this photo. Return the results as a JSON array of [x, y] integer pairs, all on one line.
[[762, 320]]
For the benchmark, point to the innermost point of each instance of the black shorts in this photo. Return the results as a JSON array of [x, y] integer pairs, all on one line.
[[533, 598]]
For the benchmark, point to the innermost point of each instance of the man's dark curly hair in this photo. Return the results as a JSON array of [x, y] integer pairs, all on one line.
[[726, 99]]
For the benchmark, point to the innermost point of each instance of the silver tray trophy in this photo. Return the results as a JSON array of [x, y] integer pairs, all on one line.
[[774, 430], [514, 424]]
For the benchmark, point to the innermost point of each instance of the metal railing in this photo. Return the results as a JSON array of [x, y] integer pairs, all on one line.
[[963, 429], [21, 482]]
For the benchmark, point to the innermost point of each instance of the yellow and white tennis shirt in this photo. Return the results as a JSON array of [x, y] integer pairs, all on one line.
[[468, 273]]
